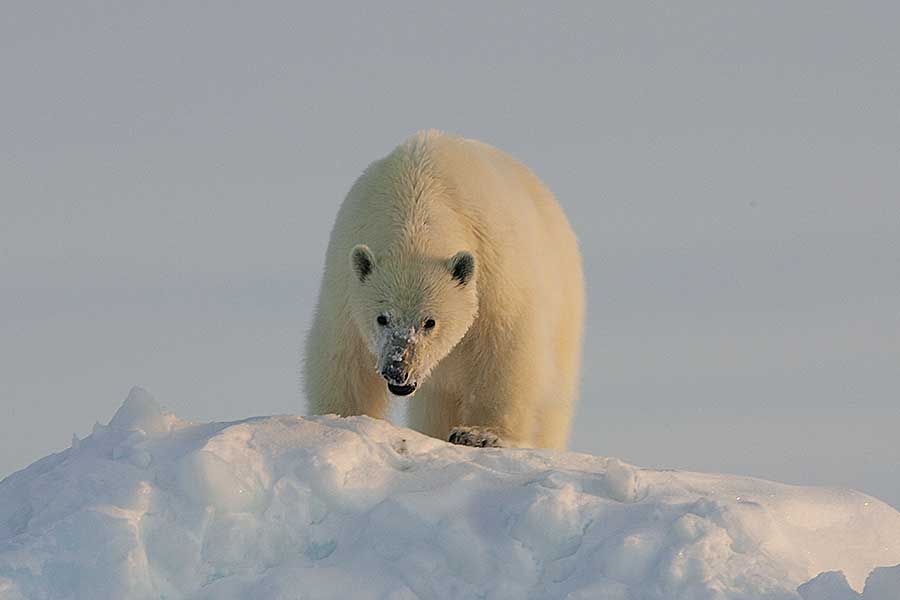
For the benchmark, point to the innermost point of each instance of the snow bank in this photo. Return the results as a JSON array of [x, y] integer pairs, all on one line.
[[288, 507]]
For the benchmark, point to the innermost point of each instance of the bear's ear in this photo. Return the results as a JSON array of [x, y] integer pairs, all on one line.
[[462, 267], [361, 261]]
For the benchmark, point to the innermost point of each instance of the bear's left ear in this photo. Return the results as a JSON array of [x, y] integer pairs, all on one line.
[[462, 267]]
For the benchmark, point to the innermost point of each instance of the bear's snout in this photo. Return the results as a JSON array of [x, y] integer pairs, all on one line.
[[397, 360], [395, 372], [397, 376]]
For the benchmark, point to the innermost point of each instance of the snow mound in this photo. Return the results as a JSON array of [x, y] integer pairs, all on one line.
[[283, 507]]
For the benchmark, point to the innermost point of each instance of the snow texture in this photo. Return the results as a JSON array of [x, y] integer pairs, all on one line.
[[285, 507]]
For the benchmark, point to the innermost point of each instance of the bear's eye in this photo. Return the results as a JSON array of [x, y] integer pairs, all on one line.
[[382, 320], [429, 324]]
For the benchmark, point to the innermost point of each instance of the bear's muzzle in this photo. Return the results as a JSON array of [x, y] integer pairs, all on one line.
[[398, 356]]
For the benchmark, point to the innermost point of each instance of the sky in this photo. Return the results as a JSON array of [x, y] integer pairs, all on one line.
[[169, 174]]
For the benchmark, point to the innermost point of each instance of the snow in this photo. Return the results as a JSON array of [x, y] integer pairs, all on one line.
[[282, 507]]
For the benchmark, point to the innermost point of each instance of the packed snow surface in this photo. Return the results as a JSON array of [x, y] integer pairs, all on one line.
[[281, 508]]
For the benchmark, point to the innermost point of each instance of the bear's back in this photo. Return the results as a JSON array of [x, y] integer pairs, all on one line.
[[438, 193], [489, 186]]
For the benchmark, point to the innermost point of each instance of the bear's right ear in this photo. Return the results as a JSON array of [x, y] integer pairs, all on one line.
[[362, 261]]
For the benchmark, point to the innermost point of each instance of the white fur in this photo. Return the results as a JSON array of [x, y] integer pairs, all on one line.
[[506, 350]]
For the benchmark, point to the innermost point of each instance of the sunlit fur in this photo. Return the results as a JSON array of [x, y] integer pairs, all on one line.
[[505, 351]]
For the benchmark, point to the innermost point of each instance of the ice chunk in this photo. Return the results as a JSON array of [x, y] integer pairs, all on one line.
[[622, 480], [550, 524], [209, 480], [140, 411]]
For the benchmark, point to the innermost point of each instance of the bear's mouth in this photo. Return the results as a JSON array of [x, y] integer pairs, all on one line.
[[402, 390]]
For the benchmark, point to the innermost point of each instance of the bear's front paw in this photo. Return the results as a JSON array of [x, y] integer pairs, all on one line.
[[479, 437]]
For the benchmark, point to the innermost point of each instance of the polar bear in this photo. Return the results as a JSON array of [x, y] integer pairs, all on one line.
[[452, 276]]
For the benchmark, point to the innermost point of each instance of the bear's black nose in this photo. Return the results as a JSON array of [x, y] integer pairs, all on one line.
[[395, 372]]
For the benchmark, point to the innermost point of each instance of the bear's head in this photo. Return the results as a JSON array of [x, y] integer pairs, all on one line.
[[411, 310]]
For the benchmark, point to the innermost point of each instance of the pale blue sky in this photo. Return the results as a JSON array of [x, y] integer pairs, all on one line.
[[169, 173]]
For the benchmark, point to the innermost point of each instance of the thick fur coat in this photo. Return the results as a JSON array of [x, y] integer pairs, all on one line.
[[453, 276]]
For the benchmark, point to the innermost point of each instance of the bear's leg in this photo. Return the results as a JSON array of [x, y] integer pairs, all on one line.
[[553, 421], [500, 408], [340, 376], [554, 414], [432, 411]]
